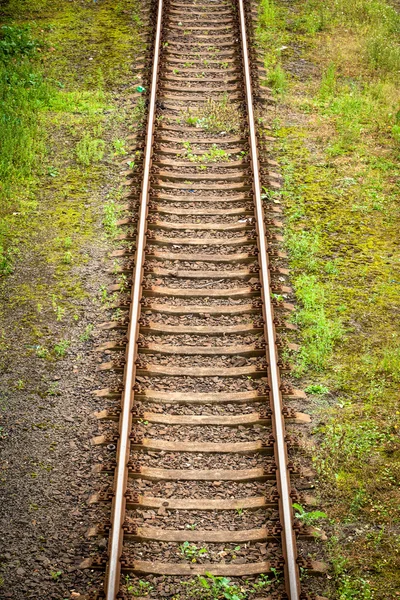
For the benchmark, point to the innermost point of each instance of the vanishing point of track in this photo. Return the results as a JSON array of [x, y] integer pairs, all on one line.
[[201, 423]]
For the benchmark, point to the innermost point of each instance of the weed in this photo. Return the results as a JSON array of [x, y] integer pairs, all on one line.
[[210, 587], [61, 348], [277, 79], [42, 352], [317, 389], [263, 582], [53, 389], [138, 114], [191, 551], [52, 171], [139, 588], [55, 575], [67, 243], [103, 294], [214, 154], [17, 42], [67, 258], [328, 84], [215, 116], [85, 336], [111, 215], [89, 150], [308, 518], [120, 147]]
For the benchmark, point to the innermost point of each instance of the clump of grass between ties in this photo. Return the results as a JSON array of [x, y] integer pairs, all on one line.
[[216, 116]]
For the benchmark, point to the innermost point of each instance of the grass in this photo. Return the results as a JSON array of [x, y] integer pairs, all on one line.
[[215, 116], [338, 148], [89, 150]]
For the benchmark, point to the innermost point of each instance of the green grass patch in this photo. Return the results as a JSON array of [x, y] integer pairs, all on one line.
[[338, 150]]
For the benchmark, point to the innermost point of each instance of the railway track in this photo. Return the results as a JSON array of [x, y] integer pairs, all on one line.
[[203, 461]]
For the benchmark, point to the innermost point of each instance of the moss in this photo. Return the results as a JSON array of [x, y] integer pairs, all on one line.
[[87, 50]]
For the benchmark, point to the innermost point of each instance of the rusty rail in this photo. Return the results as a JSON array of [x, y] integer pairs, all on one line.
[[118, 509], [286, 512]]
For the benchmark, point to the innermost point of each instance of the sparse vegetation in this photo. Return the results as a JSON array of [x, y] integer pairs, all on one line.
[[214, 154], [210, 587], [308, 517], [338, 149], [61, 348], [191, 551], [137, 587], [216, 116], [89, 150], [111, 215]]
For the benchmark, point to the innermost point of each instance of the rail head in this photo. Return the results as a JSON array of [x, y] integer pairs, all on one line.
[[289, 546], [120, 481]]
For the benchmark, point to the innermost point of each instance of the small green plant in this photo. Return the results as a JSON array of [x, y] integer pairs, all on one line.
[[67, 243], [119, 147], [139, 112], [191, 551], [277, 79], [317, 389], [53, 389], [85, 336], [55, 575], [210, 587], [139, 588], [67, 258], [61, 348], [263, 582], [52, 171], [308, 518], [42, 352], [214, 154], [17, 42], [111, 214], [328, 84]]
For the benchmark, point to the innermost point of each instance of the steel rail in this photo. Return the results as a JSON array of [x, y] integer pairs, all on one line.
[[120, 481], [288, 540]]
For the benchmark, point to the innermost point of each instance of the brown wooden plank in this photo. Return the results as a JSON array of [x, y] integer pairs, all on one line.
[[200, 397], [199, 447], [203, 309], [192, 241], [242, 257], [189, 569], [226, 420], [227, 350], [154, 474], [252, 502], [203, 212], [245, 292], [201, 226], [172, 371], [212, 537], [153, 327], [199, 274]]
